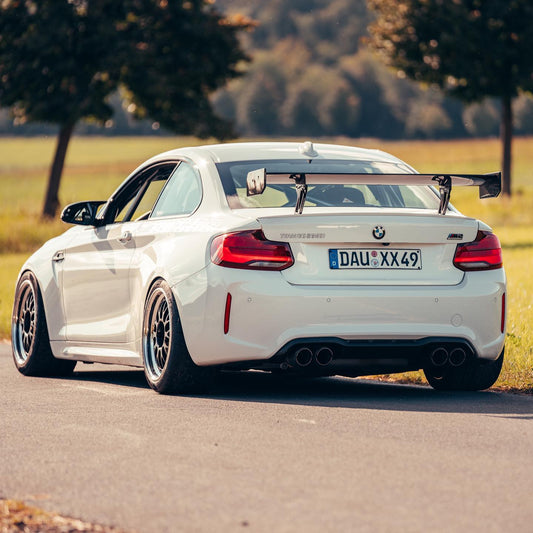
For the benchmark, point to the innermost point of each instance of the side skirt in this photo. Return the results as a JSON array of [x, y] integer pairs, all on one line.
[[95, 353]]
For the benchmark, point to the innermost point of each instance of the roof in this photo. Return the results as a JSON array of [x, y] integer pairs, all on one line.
[[220, 153]]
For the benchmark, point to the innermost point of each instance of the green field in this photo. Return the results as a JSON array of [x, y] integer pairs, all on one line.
[[95, 166]]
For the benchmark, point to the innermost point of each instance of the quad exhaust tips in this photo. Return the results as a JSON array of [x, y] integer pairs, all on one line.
[[305, 356], [441, 357]]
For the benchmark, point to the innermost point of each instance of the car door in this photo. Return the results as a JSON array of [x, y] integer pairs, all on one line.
[[165, 244], [96, 266]]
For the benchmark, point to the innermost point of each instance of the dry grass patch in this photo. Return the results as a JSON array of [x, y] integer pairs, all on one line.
[[17, 517]]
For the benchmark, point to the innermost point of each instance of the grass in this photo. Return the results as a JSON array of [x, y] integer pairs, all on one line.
[[96, 166]]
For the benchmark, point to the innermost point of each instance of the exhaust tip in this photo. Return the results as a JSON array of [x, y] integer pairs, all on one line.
[[303, 357], [324, 356], [457, 357], [439, 357]]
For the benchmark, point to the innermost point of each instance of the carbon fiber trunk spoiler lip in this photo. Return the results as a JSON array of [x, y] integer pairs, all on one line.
[[489, 184]]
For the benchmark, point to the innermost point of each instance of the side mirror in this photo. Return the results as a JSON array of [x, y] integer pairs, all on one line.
[[81, 213], [255, 182]]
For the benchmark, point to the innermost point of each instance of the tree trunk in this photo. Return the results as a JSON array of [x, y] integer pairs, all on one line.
[[506, 135], [51, 202]]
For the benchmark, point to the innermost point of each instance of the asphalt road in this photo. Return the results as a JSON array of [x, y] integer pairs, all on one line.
[[266, 454]]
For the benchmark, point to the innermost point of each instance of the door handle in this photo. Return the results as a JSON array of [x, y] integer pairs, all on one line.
[[125, 237], [59, 256]]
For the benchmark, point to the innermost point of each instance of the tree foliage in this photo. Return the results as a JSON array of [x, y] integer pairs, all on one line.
[[177, 54], [313, 49], [365, 98], [60, 61], [471, 49]]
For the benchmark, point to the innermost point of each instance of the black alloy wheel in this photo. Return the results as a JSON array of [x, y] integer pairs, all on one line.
[[168, 367], [29, 333]]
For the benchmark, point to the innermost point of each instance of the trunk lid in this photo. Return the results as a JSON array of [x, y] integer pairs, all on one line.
[[374, 248]]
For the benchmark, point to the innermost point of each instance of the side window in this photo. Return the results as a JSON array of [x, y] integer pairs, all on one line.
[[148, 199], [137, 200], [182, 194]]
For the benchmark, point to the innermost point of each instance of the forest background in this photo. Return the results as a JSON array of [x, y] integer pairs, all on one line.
[[312, 75]]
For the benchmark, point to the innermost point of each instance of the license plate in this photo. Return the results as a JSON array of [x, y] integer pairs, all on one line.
[[369, 258]]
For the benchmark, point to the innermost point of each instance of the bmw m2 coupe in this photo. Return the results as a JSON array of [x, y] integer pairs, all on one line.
[[295, 258]]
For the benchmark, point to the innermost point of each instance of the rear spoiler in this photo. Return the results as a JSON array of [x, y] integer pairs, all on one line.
[[489, 184]]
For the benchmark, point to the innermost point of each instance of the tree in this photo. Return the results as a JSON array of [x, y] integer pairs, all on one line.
[[178, 53], [318, 102], [471, 49], [60, 60], [56, 66]]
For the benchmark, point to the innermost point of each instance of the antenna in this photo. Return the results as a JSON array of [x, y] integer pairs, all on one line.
[[307, 149]]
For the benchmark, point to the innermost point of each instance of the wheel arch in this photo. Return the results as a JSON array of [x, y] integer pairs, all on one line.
[[48, 280], [177, 292], [27, 270], [188, 308], [168, 367]]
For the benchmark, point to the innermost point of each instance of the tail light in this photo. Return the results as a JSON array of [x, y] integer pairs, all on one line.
[[250, 250], [485, 253]]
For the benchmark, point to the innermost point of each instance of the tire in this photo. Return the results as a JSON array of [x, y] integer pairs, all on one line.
[[474, 375], [29, 333], [168, 367]]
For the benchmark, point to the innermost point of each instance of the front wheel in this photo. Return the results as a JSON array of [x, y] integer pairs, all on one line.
[[29, 333], [474, 375], [168, 367]]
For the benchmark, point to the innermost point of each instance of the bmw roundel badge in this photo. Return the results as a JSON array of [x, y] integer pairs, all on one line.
[[378, 232]]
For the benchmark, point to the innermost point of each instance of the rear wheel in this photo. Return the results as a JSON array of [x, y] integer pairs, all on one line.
[[168, 367], [474, 375], [29, 333]]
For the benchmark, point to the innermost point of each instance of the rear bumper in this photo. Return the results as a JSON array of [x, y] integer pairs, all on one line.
[[364, 357], [268, 314]]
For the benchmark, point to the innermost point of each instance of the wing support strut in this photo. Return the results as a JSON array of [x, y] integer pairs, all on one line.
[[301, 192], [445, 190]]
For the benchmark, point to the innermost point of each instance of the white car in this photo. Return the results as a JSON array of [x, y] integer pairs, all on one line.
[[298, 258]]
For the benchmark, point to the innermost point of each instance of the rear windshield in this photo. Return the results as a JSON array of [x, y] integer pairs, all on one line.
[[233, 176]]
